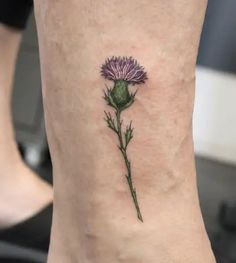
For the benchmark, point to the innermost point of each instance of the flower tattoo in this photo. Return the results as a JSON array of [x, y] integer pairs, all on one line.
[[123, 71]]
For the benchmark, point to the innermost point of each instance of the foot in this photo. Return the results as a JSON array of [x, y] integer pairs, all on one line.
[[22, 194]]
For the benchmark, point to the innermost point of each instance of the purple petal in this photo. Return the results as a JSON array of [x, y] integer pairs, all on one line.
[[123, 68]]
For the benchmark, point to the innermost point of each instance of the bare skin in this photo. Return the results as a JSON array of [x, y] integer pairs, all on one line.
[[22, 193], [94, 217]]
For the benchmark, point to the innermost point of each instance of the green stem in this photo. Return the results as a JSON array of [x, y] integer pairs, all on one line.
[[128, 166]]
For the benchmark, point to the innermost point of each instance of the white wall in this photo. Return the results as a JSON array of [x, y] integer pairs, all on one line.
[[215, 115]]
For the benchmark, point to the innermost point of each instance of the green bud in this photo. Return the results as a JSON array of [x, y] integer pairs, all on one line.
[[120, 94]]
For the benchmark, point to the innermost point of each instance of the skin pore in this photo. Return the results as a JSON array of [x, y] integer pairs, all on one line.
[[94, 218]]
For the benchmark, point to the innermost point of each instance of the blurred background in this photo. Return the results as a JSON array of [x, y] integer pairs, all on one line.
[[214, 125]]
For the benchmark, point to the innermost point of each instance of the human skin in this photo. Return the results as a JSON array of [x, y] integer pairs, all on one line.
[[94, 218], [22, 193]]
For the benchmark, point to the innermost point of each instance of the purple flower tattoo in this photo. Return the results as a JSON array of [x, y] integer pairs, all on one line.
[[127, 69], [123, 71]]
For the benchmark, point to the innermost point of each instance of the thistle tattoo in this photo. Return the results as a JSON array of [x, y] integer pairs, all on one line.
[[123, 71]]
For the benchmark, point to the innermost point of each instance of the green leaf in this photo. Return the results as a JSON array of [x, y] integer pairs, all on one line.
[[128, 134], [108, 98], [110, 121]]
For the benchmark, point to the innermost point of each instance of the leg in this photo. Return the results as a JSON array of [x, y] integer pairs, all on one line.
[[21, 192], [94, 218]]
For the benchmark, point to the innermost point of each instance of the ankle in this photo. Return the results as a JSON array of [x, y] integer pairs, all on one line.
[[22, 194], [172, 228], [11, 168]]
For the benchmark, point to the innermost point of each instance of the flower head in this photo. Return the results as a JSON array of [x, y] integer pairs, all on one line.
[[123, 68]]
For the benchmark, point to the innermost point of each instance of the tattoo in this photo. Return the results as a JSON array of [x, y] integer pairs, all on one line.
[[123, 72]]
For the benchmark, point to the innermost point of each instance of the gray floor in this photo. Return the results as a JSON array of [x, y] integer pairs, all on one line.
[[216, 183]]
